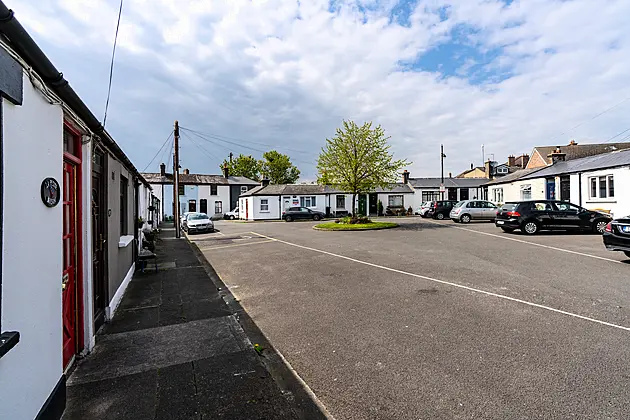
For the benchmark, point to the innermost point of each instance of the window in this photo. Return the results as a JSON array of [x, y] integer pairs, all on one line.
[[264, 204], [124, 186], [526, 192], [304, 210], [542, 206], [395, 200], [308, 201], [602, 187], [218, 207], [570, 208], [497, 195], [341, 201], [502, 170], [430, 195], [181, 190], [213, 190], [243, 189], [192, 206]]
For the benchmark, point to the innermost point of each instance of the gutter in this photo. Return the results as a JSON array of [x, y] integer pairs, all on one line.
[[30, 52]]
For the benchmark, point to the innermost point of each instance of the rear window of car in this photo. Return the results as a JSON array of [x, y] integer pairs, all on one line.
[[509, 206], [459, 204]]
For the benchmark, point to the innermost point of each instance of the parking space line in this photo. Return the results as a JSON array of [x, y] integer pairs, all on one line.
[[448, 283], [235, 245], [526, 242]]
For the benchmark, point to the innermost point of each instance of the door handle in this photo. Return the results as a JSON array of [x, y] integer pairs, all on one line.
[[64, 281]]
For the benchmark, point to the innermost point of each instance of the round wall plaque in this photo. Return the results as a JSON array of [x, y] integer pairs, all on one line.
[[51, 192]]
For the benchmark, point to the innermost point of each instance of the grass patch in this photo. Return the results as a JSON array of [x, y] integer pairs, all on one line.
[[359, 226]]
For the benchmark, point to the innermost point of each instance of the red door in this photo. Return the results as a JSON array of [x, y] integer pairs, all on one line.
[[69, 274]]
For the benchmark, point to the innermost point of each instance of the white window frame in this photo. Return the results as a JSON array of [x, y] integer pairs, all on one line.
[[430, 196], [497, 194], [264, 205], [526, 188], [392, 197], [308, 201], [218, 205], [243, 189], [502, 170], [337, 199], [601, 194]]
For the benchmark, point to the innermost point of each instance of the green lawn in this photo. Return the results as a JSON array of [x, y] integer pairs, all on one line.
[[362, 226]]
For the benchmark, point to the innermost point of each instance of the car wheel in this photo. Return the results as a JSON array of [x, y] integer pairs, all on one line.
[[465, 218], [232, 217], [439, 216], [288, 218], [530, 227], [508, 230], [316, 217], [599, 226]]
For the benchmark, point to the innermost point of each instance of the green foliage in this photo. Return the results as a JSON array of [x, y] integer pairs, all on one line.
[[379, 208], [259, 349], [358, 226], [350, 220], [242, 165], [358, 159], [278, 168]]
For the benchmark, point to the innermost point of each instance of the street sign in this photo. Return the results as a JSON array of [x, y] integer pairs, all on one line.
[[442, 188]]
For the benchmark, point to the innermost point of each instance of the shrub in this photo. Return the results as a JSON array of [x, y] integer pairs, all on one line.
[[379, 208], [410, 211], [348, 220]]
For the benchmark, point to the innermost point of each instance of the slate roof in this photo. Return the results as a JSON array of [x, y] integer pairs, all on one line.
[[198, 179], [591, 163], [514, 176], [576, 151], [448, 182], [312, 189]]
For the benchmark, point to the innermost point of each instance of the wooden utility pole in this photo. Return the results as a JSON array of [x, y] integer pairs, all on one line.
[[176, 179], [442, 156]]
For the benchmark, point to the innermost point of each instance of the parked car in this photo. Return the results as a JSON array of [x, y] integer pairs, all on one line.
[[198, 222], [231, 214], [533, 216], [182, 219], [424, 208], [468, 210], [441, 209], [296, 213], [617, 235]]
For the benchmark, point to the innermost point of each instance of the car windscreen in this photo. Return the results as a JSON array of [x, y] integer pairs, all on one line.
[[197, 217], [459, 204]]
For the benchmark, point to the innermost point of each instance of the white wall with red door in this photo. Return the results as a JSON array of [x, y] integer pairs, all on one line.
[[32, 150]]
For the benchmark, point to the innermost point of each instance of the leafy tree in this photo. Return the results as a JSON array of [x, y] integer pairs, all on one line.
[[358, 160], [246, 166], [278, 168]]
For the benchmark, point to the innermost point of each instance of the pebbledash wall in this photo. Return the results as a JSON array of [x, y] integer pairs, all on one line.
[[32, 150]]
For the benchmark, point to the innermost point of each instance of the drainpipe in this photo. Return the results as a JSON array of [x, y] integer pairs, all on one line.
[[580, 186]]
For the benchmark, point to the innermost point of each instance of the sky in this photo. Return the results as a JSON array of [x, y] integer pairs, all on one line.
[[253, 75]]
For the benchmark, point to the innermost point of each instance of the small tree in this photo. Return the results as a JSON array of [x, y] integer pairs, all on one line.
[[358, 160], [246, 166], [278, 168]]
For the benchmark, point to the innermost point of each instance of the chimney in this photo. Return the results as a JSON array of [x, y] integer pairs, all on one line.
[[406, 177], [226, 171], [511, 160], [264, 182], [186, 171], [572, 143], [557, 156], [472, 166], [162, 169], [525, 160], [450, 174], [488, 169]]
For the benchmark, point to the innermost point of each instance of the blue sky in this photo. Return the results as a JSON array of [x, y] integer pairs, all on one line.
[[283, 74]]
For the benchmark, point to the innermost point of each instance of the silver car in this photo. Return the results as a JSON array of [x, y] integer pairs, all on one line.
[[468, 210]]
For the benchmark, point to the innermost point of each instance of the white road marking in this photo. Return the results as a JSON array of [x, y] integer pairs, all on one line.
[[460, 286], [527, 242], [235, 245]]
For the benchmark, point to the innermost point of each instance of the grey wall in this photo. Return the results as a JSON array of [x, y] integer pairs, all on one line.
[[119, 259]]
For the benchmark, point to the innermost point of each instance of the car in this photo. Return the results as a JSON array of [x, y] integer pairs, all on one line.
[[424, 208], [441, 209], [617, 235], [231, 214], [198, 222], [468, 210], [296, 213], [182, 218], [535, 215]]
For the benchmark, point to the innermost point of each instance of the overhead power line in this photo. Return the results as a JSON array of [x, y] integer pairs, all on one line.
[[200, 147], [617, 135], [168, 151], [111, 65], [158, 152]]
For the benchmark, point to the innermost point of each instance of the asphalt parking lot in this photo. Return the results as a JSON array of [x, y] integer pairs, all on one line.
[[434, 320]]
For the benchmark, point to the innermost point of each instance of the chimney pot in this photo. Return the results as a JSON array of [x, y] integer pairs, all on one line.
[[557, 156], [472, 166], [264, 182], [186, 171], [450, 174], [226, 171], [572, 143], [162, 169], [525, 160], [406, 176], [511, 160]]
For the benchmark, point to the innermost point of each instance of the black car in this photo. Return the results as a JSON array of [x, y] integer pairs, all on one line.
[[536, 215], [441, 209], [296, 213], [617, 235]]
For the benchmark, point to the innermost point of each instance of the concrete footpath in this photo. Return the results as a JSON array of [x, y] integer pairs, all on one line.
[[176, 350]]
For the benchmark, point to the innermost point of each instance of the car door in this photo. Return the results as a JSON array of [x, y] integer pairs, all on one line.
[[304, 213], [544, 214], [472, 208], [489, 210], [570, 217]]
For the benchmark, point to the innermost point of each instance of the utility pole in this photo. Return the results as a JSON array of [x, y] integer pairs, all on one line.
[[176, 179], [231, 154], [442, 156]]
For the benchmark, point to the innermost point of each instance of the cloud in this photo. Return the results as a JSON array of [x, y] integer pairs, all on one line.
[[510, 75]]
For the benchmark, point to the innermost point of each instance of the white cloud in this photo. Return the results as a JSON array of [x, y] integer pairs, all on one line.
[[285, 73]]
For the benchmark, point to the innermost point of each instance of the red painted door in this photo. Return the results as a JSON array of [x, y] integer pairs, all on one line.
[[69, 274]]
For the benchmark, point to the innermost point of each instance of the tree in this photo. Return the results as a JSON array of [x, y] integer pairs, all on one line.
[[358, 160], [246, 166], [278, 169]]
